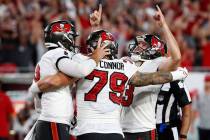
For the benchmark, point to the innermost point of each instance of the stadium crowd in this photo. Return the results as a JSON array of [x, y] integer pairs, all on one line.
[[22, 23]]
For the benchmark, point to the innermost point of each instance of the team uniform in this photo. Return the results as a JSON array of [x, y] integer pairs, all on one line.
[[99, 99], [138, 119], [56, 106], [172, 97]]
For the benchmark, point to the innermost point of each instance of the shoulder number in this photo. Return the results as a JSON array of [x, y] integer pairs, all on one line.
[[37, 73]]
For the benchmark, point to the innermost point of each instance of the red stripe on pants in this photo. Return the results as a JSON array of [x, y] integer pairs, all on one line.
[[54, 131], [153, 134]]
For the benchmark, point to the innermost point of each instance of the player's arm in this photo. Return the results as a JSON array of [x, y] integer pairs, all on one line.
[[51, 83], [80, 69], [143, 79], [172, 62], [95, 19], [76, 69], [185, 102], [186, 120]]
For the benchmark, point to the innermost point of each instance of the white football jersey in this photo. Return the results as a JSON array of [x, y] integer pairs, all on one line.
[[140, 115], [99, 97], [56, 106]]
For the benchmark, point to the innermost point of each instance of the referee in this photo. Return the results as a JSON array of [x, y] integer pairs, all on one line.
[[173, 111]]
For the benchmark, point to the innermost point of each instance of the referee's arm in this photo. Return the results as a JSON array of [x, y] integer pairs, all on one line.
[[186, 119], [185, 104]]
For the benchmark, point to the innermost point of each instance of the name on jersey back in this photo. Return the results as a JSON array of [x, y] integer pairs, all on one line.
[[112, 65]]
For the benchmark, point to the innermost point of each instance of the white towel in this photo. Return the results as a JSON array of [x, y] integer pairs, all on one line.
[[29, 136]]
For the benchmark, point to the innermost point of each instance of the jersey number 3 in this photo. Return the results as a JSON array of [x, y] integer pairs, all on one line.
[[116, 81], [37, 73]]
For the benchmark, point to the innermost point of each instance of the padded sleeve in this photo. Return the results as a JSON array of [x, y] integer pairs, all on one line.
[[75, 69]]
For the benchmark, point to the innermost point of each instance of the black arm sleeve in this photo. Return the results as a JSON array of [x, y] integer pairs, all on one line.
[[181, 93]]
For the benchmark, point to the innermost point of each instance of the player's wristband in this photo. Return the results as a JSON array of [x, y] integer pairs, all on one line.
[[34, 88], [183, 136], [177, 75]]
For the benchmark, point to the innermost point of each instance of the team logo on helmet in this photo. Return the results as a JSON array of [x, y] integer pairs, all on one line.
[[61, 33], [60, 27], [107, 40], [107, 36]]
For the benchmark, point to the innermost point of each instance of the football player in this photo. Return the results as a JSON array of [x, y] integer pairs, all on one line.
[[100, 95], [56, 105], [148, 52]]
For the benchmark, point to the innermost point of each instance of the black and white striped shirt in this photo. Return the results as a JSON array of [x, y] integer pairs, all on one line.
[[172, 97]]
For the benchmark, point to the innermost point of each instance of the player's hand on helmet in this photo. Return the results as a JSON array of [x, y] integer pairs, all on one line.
[[100, 52], [95, 17], [159, 17]]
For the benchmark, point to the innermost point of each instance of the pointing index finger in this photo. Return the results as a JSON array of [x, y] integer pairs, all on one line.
[[158, 8], [100, 9]]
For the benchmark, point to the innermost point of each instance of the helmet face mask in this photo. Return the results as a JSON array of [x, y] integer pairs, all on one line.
[[61, 33], [107, 41], [147, 47], [138, 48]]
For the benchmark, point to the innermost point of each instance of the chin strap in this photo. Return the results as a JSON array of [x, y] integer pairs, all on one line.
[[71, 49], [61, 45], [49, 45], [136, 58]]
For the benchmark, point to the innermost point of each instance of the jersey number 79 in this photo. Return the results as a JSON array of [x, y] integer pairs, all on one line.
[[117, 82]]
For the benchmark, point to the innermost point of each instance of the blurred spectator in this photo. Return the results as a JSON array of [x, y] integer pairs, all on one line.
[[24, 121], [22, 23], [9, 40], [189, 20], [201, 106], [6, 115], [24, 53]]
